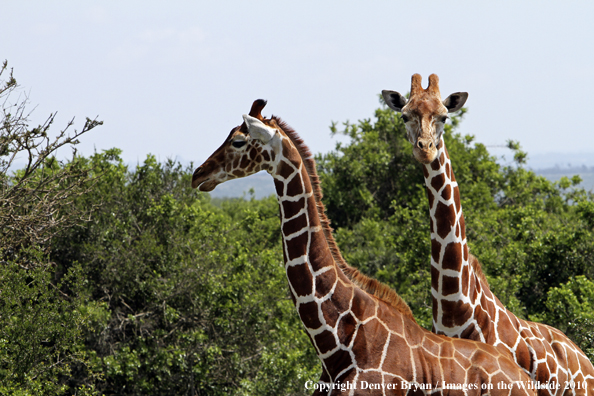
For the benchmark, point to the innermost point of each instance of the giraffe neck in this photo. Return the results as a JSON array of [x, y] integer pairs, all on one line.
[[453, 277], [465, 307], [322, 294]]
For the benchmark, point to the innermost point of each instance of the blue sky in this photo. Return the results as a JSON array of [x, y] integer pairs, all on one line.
[[173, 78]]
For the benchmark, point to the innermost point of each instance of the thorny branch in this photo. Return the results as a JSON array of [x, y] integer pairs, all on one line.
[[34, 200]]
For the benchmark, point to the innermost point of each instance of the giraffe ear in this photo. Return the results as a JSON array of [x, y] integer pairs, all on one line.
[[455, 101], [258, 130], [394, 100]]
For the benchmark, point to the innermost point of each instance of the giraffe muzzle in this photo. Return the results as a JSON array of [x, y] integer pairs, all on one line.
[[196, 177], [424, 145], [425, 150], [201, 180]]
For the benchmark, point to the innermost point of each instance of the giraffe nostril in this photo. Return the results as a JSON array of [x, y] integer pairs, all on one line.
[[420, 145]]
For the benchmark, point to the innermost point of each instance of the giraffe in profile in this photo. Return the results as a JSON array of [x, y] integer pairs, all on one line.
[[364, 334], [463, 304]]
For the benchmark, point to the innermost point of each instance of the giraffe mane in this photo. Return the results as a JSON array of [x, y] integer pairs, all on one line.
[[369, 285], [478, 270]]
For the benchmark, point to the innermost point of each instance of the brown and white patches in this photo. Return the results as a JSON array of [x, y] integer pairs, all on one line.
[[325, 282], [395, 323], [345, 328], [369, 344], [464, 280], [295, 187], [295, 224], [471, 332], [325, 341], [451, 285], [468, 309], [320, 255], [462, 235], [452, 257], [338, 358], [308, 313], [482, 318], [297, 249], [366, 308], [372, 286], [455, 313], [446, 350], [435, 251], [331, 311], [300, 279], [431, 345], [457, 199], [435, 278], [430, 197], [285, 171], [523, 356], [279, 187], [449, 250], [443, 219], [439, 180], [291, 209], [446, 193], [372, 377]]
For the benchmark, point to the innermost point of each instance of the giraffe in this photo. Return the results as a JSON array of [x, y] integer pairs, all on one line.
[[364, 334], [463, 304]]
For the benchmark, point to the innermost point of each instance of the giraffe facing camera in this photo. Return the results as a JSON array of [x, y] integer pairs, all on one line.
[[463, 304], [424, 114]]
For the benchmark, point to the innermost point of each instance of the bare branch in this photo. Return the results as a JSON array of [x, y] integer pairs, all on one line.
[[35, 200]]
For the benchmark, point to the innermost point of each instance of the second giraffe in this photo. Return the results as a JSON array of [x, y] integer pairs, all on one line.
[[463, 304]]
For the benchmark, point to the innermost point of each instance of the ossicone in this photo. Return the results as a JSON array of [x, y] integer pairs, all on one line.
[[433, 86], [415, 84], [256, 110]]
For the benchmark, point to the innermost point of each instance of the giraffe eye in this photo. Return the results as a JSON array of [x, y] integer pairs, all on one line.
[[444, 119], [238, 143], [404, 118]]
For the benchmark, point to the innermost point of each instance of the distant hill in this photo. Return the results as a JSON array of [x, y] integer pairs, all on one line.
[[263, 186], [553, 167], [261, 183], [560, 160], [554, 174]]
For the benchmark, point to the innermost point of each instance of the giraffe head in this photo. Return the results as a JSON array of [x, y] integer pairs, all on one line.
[[424, 114], [250, 147]]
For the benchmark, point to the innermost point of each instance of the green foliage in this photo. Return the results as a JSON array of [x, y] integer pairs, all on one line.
[[361, 179], [40, 333], [570, 308], [188, 298], [394, 251]]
